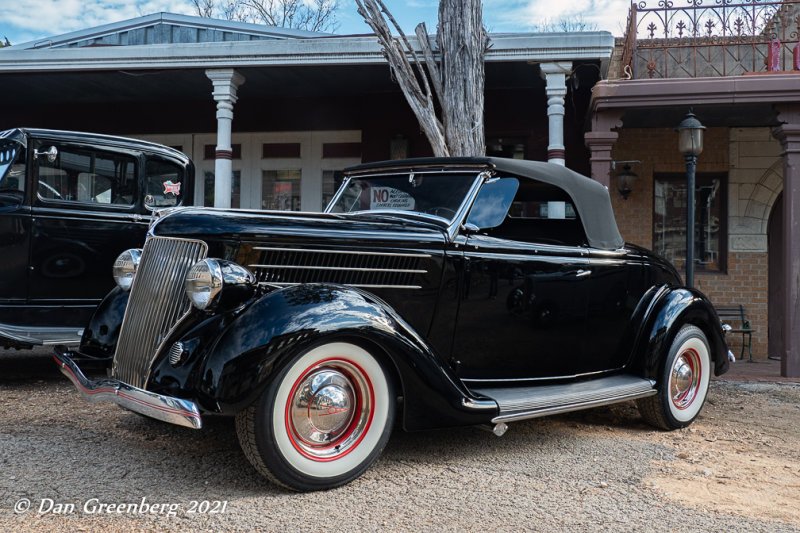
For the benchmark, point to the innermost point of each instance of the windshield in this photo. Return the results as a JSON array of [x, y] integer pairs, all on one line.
[[437, 194], [12, 167]]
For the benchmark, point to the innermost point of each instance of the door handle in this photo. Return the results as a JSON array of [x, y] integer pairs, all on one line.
[[582, 273]]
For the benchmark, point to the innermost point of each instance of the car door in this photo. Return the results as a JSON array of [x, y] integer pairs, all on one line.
[[14, 228], [525, 288], [86, 210]]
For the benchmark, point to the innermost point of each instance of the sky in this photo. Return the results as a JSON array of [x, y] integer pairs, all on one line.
[[28, 20]]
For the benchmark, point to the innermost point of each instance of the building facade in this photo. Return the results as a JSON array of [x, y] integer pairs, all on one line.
[[270, 116], [742, 85]]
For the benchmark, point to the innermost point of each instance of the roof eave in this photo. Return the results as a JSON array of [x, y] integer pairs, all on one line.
[[533, 48]]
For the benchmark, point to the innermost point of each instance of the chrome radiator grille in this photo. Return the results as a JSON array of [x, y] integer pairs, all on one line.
[[157, 303], [370, 269]]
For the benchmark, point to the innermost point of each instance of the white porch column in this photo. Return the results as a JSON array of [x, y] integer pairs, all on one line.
[[225, 82], [555, 76]]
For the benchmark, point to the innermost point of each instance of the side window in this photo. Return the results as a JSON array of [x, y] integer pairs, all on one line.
[[12, 167], [88, 176], [541, 213], [164, 183], [491, 206]]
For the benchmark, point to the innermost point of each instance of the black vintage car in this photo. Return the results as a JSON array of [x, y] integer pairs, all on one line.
[[69, 204], [445, 292]]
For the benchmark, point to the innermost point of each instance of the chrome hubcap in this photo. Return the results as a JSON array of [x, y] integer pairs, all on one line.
[[328, 410], [322, 407], [684, 379]]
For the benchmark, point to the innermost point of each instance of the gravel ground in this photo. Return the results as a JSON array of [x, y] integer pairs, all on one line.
[[736, 469]]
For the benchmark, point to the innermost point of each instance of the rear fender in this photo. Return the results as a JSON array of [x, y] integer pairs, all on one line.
[[254, 346], [672, 309]]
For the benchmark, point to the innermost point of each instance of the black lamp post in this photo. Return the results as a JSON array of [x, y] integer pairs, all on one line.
[[690, 144]]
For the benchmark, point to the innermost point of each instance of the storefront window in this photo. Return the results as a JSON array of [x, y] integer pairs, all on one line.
[[236, 189], [280, 190], [710, 229], [331, 181]]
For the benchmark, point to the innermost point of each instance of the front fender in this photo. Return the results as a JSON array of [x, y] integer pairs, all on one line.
[[100, 336], [672, 309], [252, 348]]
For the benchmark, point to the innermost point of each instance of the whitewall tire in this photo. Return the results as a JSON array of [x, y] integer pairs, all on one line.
[[683, 386], [323, 420]]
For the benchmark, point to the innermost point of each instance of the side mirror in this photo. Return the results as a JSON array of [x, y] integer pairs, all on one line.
[[51, 153]]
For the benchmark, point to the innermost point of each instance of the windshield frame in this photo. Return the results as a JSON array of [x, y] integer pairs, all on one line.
[[452, 224]]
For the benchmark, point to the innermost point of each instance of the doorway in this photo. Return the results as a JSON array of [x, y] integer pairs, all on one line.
[[776, 293]]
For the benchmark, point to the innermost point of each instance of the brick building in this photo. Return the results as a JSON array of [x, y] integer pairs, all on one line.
[[746, 250]]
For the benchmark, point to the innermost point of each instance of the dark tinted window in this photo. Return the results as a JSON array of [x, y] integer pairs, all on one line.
[[12, 167], [491, 205], [164, 183], [710, 231], [541, 213], [88, 176]]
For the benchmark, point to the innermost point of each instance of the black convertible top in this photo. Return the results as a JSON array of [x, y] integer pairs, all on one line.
[[591, 198]]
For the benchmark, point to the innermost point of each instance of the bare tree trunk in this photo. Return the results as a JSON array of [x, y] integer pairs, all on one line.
[[458, 83], [462, 43], [419, 96]]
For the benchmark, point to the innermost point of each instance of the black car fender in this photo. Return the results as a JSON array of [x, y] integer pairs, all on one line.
[[670, 309], [99, 339], [251, 348]]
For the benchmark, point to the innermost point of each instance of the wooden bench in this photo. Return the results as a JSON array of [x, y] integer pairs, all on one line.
[[735, 315]]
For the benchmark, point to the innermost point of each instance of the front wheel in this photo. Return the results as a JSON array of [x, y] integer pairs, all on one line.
[[684, 382], [323, 420]]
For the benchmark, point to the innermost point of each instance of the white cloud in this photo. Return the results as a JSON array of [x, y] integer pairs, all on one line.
[[54, 17], [521, 15]]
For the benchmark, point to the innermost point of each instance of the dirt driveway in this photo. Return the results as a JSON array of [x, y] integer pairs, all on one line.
[[67, 465]]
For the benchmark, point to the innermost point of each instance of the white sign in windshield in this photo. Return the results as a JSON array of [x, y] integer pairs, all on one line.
[[390, 198]]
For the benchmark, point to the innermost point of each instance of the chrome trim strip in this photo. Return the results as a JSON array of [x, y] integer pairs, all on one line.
[[433, 169], [289, 284], [165, 408], [461, 213], [547, 378], [346, 269], [537, 413], [41, 336], [342, 252]]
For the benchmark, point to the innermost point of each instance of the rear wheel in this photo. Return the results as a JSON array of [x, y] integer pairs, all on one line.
[[684, 382], [323, 421]]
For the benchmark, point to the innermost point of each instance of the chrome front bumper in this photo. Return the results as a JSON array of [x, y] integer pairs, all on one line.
[[165, 408]]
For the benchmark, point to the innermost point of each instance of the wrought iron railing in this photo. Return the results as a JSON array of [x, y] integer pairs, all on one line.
[[716, 38]]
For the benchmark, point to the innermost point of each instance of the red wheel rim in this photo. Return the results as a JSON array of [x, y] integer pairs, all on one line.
[[329, 409], [684, 379]]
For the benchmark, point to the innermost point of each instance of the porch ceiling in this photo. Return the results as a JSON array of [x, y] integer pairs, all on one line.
[[732, 116], [122, 86]]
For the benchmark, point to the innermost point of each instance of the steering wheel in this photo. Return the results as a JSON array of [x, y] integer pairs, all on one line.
[[440, 211]]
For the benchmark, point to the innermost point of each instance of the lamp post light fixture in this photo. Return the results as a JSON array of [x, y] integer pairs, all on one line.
[[625, 177], [690, 144]]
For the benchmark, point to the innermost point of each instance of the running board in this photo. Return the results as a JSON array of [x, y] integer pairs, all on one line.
[[40, 336], [521, 403]]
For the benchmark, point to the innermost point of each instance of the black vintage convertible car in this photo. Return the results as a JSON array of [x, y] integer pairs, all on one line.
[[70, 202], [445, 292]]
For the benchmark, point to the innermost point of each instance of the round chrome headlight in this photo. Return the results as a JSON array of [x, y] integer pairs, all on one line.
[[203, 283], [213, 282], [125, 268]]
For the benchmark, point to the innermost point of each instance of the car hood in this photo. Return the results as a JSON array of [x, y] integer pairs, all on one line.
[[239, 225]]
